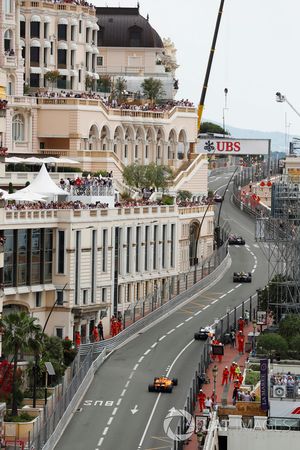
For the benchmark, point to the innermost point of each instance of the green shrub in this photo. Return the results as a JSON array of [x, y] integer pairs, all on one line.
[[184, 195], [167, 200], [22, 417], [272, 344], [252, 377]]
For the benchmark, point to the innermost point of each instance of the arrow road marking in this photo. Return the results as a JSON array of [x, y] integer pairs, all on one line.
[[134, 410]]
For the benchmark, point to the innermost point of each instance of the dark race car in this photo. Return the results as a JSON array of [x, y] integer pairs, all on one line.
[[203, 334], [242, 277], [218, 198], [163, 384], [236, 240]]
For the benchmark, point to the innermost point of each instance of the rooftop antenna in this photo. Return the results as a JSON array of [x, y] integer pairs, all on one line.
[[138, 5], [147, 17]]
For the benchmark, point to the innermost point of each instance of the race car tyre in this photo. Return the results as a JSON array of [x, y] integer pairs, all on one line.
[[234, 274], [174, 381], [151, 388], [169, 389], [197, 336]]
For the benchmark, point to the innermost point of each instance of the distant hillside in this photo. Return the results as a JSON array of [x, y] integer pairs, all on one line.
[[277, 138]]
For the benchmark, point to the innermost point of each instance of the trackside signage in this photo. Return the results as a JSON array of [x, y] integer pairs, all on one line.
[[233, 146]]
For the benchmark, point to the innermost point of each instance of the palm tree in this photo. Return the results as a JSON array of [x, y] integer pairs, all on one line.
[[20, 332], [153, 89]]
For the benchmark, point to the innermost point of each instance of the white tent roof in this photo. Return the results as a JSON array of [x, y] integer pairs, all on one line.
[[25, 197], [43, 184]]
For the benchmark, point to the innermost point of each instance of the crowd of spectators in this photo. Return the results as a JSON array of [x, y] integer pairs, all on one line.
[[54, 205], [292, 383], [151, 107], [73, 2], [100, 180]]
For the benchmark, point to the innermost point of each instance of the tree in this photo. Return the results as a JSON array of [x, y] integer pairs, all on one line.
[[120, 87], [153, 89], [209, 127], [134, 176], [19, 331], [182, 196], [89, 81], [52, 77], [157, 176], [289, 327], [104, 84], [272, 344]]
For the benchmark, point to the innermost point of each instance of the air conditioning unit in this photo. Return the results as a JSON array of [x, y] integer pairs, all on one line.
[[279, 391]]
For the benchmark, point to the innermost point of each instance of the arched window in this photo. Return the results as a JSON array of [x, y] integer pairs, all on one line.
[[135, 36], [7, 40], [18, 128]]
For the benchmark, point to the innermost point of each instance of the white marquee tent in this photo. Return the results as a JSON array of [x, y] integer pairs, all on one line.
[[44, 185]]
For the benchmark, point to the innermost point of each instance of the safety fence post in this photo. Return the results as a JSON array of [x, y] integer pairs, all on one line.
[[227, 327], [250, 308], [243, 310]]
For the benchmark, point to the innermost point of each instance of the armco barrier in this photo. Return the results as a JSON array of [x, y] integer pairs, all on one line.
[[222, 327], [157, 315]]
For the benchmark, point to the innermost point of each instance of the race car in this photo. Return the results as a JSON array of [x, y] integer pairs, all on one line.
[[242, 277], [236, 240], [218, 198], [162, 384], [204, 333]]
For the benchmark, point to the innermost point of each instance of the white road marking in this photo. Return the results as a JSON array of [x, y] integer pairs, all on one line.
[[141, 359], [123, 392], [114, 411], [253, 270], [154, 345], [207, 306], [131, 375], [105, 431], [215, 301], [159, 395], [188, 319], [110, 420], [135, 367], [231, 290], [127, 384], [222, 296], [147, 351], [254, 267], [198, 312], [171, 331], [238, 285], [237, 246], [161, 338], [179, 325], [256, 245], [100, 441], [119, 402]]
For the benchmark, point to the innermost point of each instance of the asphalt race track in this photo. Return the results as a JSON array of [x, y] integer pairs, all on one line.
[[117, 411]]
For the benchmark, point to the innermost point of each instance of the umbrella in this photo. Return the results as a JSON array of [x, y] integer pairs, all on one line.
[[50, 159], [67, 161], [25, 197], [13, 159], [33, 160]]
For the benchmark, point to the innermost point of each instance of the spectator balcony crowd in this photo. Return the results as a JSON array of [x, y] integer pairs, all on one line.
[[290, 381]]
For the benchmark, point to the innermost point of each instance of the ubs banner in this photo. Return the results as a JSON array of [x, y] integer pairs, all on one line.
[[264, 397], [234, 147]]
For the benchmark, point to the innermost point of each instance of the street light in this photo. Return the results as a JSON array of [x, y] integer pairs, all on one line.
[[215, 373]]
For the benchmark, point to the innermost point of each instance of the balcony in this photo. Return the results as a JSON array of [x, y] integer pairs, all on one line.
[[10, 61], [69, 7]]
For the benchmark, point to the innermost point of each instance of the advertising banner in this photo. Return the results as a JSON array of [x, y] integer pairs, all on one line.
[[264, 395], [234, 147]]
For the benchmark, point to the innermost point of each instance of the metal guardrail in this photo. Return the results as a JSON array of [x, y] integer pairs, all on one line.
[[222, 329], [161, 312]]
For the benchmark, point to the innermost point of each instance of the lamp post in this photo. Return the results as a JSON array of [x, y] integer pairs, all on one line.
[[254, 324], [215, 373]]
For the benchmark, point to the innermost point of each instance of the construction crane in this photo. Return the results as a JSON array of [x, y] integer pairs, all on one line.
[[210, 60]]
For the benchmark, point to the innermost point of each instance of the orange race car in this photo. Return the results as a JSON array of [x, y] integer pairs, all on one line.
[[163, 384]]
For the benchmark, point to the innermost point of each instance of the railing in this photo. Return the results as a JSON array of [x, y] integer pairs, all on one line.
[[115, 111], [72, 7], [91, 190], [56, 419], [175, 292], [222, 328]]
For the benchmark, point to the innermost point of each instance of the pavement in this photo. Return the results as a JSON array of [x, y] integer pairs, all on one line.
[[223, 393]]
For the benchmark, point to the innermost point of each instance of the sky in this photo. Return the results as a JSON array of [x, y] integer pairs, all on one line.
[[256, 56]]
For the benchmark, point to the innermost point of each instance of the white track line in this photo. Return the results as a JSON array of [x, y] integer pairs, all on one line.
[[222, 296], [135, 367], [110, 420], [154, 345], [161, 338], [198, 312], [105, 431], [159, 395], [119, 402], [100, 441], [147, 351], [141, 359], [171, 331], [179, 325], [188, 319], [114, 411]]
